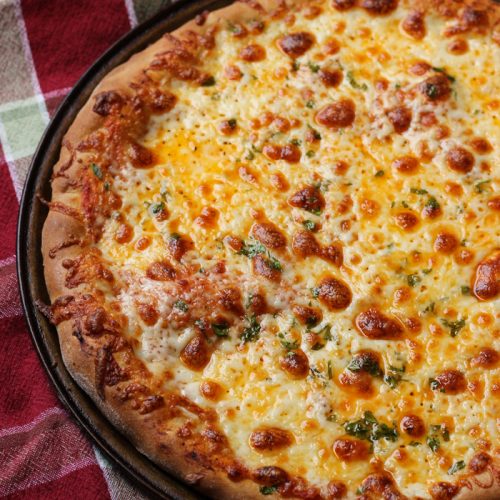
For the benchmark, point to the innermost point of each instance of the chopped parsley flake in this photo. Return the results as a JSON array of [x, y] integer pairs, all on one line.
[[220, 329], [157, 208], [442, 70], [465, 290], [418, 191], [250, 156], [181, 305], [268, 490], [316, 135], [456, 467], [366, 364], [310, 153], [289, 346], [433, 443], [310, 104], [480, 186], [354, 84], [251, 332], [309, 225], [370, 429], [97, 171], [313, 67], [431, 91], [454, 326], [379, 173], [275, 264], [394, 375], [252, 249], [413, 279], [432, 204]]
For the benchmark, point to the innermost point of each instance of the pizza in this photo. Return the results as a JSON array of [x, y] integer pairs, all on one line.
[[272, 249]]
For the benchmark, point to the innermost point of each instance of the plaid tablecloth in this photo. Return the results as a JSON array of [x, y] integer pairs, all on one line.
[[45, 46]]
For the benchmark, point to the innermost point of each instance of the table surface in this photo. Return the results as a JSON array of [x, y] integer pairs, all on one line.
[[43, 454]]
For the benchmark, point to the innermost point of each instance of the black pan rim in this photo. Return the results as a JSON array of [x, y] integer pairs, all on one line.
[[147, 476]]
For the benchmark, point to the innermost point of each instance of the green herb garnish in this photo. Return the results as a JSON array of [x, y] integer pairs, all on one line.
[[221, 329], [454, 326], [456, 467], [370, 429], [251, 332], [181, 305], [97, 171]]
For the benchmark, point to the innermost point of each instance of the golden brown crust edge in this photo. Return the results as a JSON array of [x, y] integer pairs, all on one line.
[[164, 448]]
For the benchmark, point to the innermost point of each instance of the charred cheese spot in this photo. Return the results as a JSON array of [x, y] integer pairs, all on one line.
[[269, 235], [443, 490], [308, 198], [486, 358], [445, 243], [486, 284], [306, 315], [304, 244], [295, 363], [253, 53], [289, 152], [451, 382], [160, 271], [400, 117], [460, 159], [333, 293], [376, 325], [412, 425], [196, 353], [270, 475], [296, 44], [211, 390], [479, 462], [406, 164], [343, 4], [351, 450], [337, 115], [270, 439], [435, 88], [414, 24]]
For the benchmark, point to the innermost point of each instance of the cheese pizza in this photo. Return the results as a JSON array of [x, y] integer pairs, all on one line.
[[273, 249]]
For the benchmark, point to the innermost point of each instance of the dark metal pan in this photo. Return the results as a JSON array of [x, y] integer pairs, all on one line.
[[151, 479]]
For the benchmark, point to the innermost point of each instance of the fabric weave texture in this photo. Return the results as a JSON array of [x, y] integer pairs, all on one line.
[[45, 46]]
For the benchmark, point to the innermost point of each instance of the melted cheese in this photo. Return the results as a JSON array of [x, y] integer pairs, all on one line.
[[198, 166]]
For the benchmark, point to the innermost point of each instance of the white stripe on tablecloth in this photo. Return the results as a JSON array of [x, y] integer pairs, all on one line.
[[129, 4], [44, 450], [18, 429], [16, 181], [10, 306], [119, 487]]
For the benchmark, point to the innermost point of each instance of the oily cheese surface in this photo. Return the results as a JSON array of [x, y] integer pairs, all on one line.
[[408, 212]]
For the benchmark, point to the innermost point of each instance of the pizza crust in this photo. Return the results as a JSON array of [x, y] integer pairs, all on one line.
[[146, 432]]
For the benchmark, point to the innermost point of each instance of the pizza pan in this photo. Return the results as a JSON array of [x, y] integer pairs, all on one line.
[[149, 478]]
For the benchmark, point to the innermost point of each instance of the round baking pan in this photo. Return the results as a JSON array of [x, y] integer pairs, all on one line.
[[152, 480]]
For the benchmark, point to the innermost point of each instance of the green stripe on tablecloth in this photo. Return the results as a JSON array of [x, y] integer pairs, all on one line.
[[21, 127], [15, 75]]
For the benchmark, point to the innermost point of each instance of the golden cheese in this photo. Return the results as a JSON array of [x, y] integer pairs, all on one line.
[[385, 264]]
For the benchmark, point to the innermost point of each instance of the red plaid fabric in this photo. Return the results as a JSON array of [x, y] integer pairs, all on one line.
[[45, 48]]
